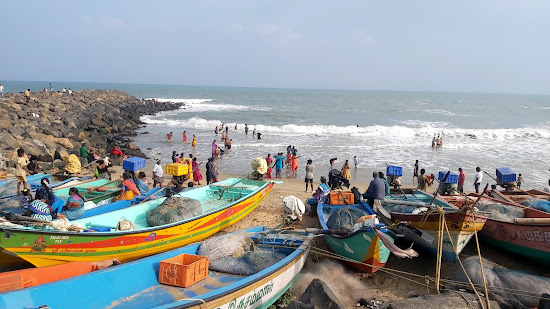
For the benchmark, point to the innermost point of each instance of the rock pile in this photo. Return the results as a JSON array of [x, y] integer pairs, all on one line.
[[52, 122]]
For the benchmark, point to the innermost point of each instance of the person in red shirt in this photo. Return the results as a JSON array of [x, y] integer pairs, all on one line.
[[461, 179]]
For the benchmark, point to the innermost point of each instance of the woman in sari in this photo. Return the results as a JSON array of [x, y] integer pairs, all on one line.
[[269, 160], [141, 183], [74, 208], [197, 176], [194, 143], [102, 170], [39, 209], [129, 188], [345, 170], [294, 165]]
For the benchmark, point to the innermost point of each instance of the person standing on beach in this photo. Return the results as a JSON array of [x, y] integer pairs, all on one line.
[[245, 129], [21, 170], [1, 91], [345, 170], [254, 133], [310, 168], [28, 95], [227, 129], [461, 179], [294, 164], [415, 171], [279, 162], [194, 143], [422, 180], [355, 161], [208, 171], [185, 136], [216, 130], [169, 136], [478, 178], [158, 174], [269, 160], [332, 162], [214, 170], [433, 142], [174, 157], [235, 127], [214, 147]]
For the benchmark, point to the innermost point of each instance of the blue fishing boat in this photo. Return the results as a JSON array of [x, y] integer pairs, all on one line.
[[135, 284]]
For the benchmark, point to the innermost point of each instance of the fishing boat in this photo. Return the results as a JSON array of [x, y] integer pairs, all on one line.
[[94, 191], [527, 236], [135, 284], [222, 204], [419, 222], [26, 278], [32, 180], [362, 245], [519, 195]]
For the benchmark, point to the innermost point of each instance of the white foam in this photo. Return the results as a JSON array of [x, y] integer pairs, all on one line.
[[209, 105], [187, 101], [416, 129]]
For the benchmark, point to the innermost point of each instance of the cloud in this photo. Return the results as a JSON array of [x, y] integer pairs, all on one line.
[[272, 31], [363, 38], [101, 25], [237, 27]]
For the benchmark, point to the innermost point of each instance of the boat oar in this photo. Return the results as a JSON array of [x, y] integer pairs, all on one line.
[[439, 187], [150, 196]]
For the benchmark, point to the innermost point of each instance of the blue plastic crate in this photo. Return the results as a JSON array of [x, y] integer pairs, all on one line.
[[133, 164], [453, 178], [392, 170], [506, 175]]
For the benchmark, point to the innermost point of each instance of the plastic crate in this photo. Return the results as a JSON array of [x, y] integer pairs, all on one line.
[[506, 175], [183, 270], [392, 170], [177, 169], [133, 164], [340, 198], [453, 178]]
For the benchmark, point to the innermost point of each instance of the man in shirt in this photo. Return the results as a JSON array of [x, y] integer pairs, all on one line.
[[84, 153], [279, 162], [461, 179], [158, 174], [1, 91], [376, 190], [478, 178], [21, 170], [28, 95]]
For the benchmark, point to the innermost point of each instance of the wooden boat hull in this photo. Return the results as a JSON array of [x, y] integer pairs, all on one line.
[[134, 285], [363, 245], [532, 241], [519, 196], [461, 227], [50, 247]]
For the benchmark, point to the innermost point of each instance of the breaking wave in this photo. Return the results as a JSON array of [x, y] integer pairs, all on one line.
[[209, 105], [411, 129]]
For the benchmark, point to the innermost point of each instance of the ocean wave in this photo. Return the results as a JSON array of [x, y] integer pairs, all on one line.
[[412, 128], [210, 105]]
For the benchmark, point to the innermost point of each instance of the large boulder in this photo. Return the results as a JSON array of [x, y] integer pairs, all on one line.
[[321, 296]]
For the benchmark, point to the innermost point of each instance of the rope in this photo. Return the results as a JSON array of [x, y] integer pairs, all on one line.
[[480, 261]]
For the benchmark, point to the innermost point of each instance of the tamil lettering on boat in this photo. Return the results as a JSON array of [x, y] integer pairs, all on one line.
[[536, 234]]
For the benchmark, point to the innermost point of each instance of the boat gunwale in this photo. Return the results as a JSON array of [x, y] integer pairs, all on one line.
[[130, 232]]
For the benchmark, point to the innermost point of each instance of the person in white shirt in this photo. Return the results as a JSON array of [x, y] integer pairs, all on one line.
[[1, 91], [64, 90], [478, 178], [157, 174]]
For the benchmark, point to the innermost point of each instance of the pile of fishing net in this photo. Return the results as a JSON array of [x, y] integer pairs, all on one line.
[[501, 212], [536, 203], [345, 218], [9, 187], [259, 168], [406, 209], [508, 284], [236, 254], [173, 209]]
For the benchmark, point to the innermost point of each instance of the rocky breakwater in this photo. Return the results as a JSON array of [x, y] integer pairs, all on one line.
[[53, 123]]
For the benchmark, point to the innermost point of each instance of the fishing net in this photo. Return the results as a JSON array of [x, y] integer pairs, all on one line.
[[537, 204], [501, 278], [236, 254], [259, 165], [9, 187], [293, 207], [173, 209], [501, 212], [345, 218]]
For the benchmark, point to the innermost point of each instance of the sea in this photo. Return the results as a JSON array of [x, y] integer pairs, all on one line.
[[379, 128]]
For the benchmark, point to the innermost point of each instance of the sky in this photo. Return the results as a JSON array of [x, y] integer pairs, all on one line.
[[495, 46]]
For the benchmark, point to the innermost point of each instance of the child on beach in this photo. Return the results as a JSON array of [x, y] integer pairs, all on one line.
[[519, 181], [26, 200], [310, 168]]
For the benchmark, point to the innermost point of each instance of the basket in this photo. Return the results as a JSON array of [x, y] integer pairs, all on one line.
[[177, 169], [183, 270], [340, 198], [133, 164]]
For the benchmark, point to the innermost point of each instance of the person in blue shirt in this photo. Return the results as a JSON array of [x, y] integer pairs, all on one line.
[[376, 190], [279, 162]]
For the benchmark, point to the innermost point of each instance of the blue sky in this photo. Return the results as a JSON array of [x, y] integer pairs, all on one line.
[[465, 46]]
